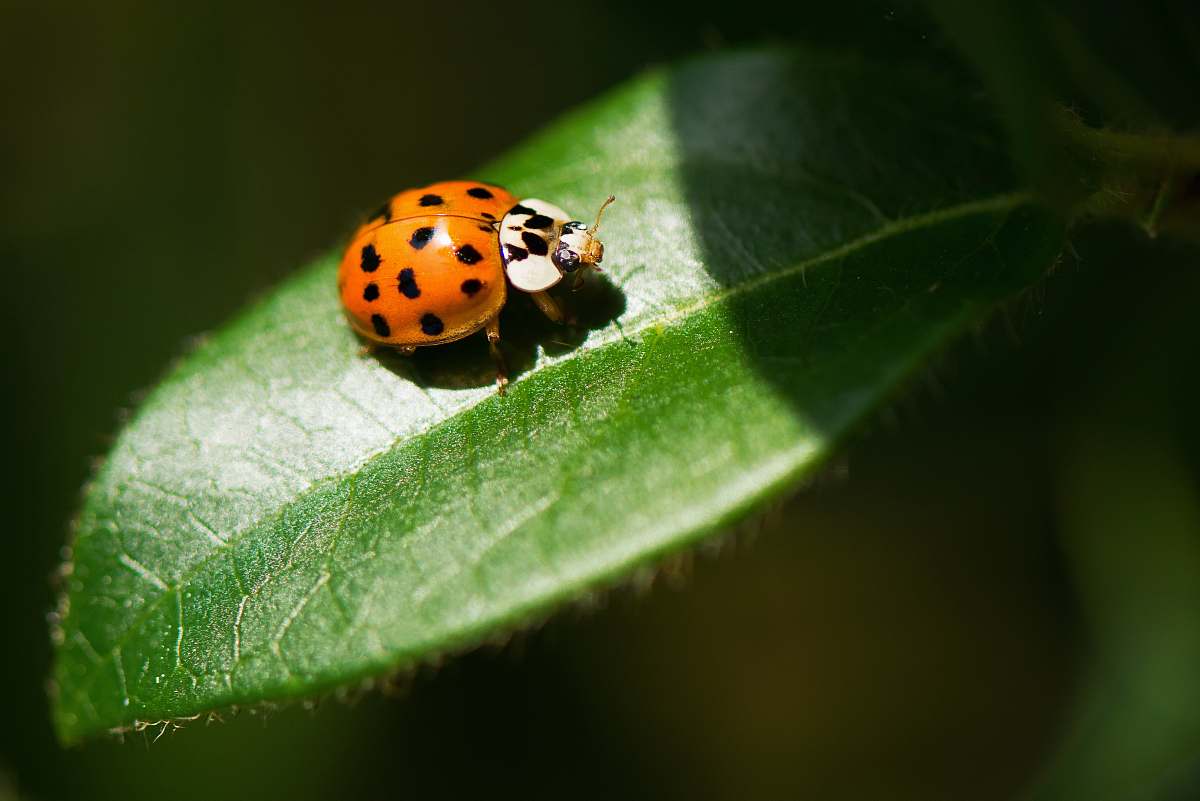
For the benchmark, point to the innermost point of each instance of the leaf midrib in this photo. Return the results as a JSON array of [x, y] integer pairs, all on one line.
[[606, 338]]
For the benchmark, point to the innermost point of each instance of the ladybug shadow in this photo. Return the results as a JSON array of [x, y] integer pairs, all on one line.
[[524, 329]]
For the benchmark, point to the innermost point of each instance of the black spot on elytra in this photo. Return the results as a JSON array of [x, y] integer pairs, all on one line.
[[420, 237], [487, 215], [537, 246], [471, 286], [408, 284], [384, 211], [381, 325], [370, 292], [487, 229], [480, 192], [539, 221], [370, 259], [515, 253], [431, 324], [468, 255], [519, 209], [430, 200]]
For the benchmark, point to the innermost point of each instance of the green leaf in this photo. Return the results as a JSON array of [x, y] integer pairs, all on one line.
[[796, 234]]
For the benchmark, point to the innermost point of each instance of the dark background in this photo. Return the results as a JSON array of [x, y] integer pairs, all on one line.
[[925, 621]]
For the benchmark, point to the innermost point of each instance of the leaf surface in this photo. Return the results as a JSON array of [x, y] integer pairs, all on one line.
[[796, 234]]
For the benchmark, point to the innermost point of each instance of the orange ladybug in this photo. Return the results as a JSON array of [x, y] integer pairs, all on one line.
[[433, 264]]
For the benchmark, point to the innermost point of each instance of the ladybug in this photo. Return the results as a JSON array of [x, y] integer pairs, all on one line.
[[432, 265]]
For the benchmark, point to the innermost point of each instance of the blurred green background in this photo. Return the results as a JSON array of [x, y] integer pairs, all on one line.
[[997, 588]]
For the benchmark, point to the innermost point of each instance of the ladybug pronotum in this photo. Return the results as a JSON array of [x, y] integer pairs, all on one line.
[[433, 264]]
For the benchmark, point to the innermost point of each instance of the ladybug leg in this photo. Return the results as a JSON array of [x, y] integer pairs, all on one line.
[[548, 305], [581, 276], [551, 309], [493, 338]]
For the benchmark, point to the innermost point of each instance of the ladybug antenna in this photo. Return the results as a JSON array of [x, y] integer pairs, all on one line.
[[596, 227]]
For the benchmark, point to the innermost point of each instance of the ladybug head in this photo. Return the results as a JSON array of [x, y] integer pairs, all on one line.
[[578, 246], [593, 249]]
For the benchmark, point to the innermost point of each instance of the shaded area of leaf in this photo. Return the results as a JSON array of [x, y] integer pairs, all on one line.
[[283, 517], [895, 142], [527, 333]]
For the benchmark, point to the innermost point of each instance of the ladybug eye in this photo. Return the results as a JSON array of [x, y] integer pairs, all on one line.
[[565, 258]]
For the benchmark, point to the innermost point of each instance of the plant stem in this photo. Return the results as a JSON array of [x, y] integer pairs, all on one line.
[[1132, 149]]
